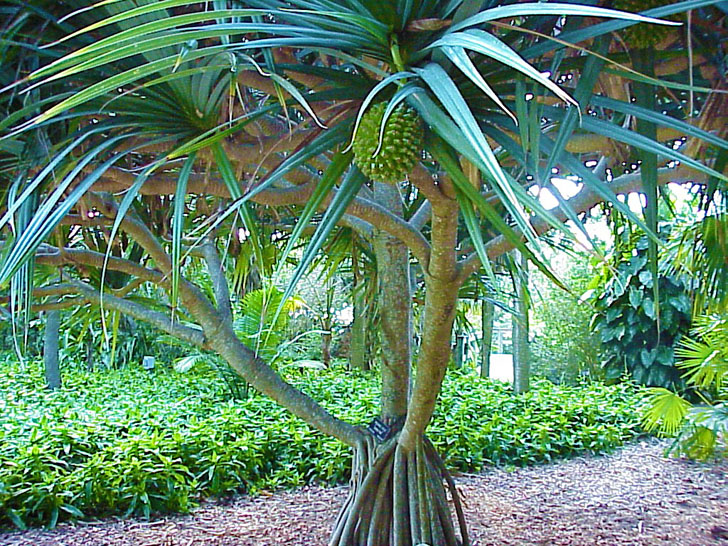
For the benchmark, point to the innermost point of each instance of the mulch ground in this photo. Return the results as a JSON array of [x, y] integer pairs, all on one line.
[[633, 497]]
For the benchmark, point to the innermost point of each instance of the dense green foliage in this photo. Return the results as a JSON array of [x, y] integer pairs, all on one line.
[[563, 347], [699, 430], [127, 442], [636, 340]]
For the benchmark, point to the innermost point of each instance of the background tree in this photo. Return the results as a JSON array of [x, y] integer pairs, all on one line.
[[564, 348], [210, 118], [487, 314], [50, 349], [520, 320], [635, 341]]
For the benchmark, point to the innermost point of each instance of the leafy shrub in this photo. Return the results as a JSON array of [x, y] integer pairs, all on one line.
[[481, 422], [128, 442], [701, 430], [635, 341]]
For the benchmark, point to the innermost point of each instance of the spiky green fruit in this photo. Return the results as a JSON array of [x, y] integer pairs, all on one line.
[[400, 148], [643, 35]]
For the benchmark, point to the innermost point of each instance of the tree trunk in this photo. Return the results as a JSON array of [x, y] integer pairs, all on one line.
[[486, 341], [328, 323], [326, 345], [88, 344], [395, 311], [397, 493], [521, 353], [50, 349], [358, 353], [459, 357], [398, 488], [398, 498]]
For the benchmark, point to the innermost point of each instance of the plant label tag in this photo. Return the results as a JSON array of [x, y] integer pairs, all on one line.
[[379, 430], [148, 363]]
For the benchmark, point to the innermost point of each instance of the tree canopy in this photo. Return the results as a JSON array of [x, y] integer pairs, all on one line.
[[142, 135]]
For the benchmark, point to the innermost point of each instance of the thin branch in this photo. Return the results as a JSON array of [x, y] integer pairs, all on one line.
[[363, 228], [49, 255], [65, 303], [382, 219], [191, 296]]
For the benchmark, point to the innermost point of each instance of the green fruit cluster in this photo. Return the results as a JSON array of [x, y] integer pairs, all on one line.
[[400, 148], [643, 35]]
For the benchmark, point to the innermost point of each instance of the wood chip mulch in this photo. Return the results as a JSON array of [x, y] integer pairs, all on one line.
[[633, 497]]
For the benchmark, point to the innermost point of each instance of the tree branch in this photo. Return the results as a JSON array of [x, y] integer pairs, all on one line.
[[216, 271], [360, 208], [220, 336], [65, 303], [421, 216], [49, 255], [582, 202], [139, 312], [422, 180]]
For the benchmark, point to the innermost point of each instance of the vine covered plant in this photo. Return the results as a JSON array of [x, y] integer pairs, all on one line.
[[168, 126], [626, 318]]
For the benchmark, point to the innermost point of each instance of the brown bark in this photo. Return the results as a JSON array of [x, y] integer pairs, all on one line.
[[395, 310], [442, 284]]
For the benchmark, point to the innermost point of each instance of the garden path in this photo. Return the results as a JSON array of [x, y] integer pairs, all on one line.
[[634, 497]]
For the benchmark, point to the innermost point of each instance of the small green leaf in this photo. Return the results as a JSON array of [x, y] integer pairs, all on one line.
[[648, 306], [635, 297]]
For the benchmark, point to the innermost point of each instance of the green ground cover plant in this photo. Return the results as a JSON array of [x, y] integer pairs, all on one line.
[[126, 442]]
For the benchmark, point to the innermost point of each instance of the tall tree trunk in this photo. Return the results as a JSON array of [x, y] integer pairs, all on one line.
[[50, 349], [326, 348], [487, 310], [88, 344], [358, 353], [398, 495], [459, 356], [398, 491], [521, 353], [395, 311]]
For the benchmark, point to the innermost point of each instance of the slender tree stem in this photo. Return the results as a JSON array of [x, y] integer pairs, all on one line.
[[216, 271]]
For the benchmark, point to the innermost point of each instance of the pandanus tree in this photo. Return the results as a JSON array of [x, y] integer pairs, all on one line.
[[420, 124]]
